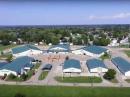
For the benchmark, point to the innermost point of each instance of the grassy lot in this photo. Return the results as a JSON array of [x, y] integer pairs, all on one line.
[[43, 75], [57, 91], [127, 52], [114, 81], [79, 79], [128, 80], [7, 47]]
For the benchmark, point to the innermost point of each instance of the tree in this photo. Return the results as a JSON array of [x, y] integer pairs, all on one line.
[[19, 95], [101, 41], [110, 74], [9, 58], [24, 76]]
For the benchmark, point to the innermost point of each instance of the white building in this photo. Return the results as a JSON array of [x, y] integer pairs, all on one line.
[[93, 51], [17, 67], [122, 65], [59, 49], [113, 43], [71, 66], [25, 50], [96, 66]]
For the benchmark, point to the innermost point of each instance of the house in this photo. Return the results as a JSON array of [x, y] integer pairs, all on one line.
[[60, 48], [122, 65], [25, 50], [96, 66], [114, 42], [71, 66], [17, 67], [93, 51]]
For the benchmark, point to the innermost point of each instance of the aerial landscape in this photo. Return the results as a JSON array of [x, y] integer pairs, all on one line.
[[64, 48]]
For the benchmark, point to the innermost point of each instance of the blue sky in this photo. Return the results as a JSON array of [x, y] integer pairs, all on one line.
[[62, 12]]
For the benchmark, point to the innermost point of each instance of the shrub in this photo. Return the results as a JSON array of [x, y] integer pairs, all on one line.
[[24, 76], [19, 95], [12, 76], [110, 74]]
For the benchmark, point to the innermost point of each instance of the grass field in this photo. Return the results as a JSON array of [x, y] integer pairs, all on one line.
[[127, 52], [57, 91], [7, 47], [79, 79], [43, 75], [128, 80]]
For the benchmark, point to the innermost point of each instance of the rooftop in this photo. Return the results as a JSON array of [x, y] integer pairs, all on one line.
[[64, 48], [122, 64], [94, 63], [24, 48], [71, 63], [95, 49], [18, 64]]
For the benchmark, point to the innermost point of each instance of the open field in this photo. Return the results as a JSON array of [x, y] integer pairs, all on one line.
[[79, 79], [6, 47], [52, 91]]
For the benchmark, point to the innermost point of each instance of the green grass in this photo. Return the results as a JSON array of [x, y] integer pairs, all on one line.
[[7, 47], [124, 46], [79, 79], [19, 79], [128, 80], [57, 91], [30, 73], [105, 56], [127, 52], [114, 81], [43, 75]]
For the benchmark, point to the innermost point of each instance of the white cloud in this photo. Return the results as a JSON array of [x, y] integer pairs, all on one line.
[[116, 16]]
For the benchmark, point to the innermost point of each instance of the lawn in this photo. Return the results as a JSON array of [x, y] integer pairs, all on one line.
[[7, 47], [57, 91], [105, 56], [127, 52], [43, 75], [114, 81], [79, 79], [128, 80]]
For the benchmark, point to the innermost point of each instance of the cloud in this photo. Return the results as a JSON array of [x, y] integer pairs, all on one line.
[[116, 16]]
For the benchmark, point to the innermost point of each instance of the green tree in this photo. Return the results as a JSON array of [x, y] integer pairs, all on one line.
[[110, 74]]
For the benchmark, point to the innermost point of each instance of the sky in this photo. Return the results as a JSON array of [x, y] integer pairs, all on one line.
[[64, 12]]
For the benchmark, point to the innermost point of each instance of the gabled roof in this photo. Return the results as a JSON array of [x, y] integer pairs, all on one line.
[[65, 48], [24, 48], [95, 49], [95, 63], [71, 63], [18, 64], [3, 64], [122, 64]]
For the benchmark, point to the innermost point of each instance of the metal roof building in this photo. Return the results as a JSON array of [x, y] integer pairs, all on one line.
[[17, 66], [92, 50], [25, 50], [96, 65], [72, 65], [60, 48], [95, 49], [122, 65]]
